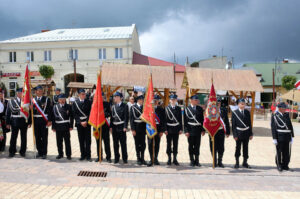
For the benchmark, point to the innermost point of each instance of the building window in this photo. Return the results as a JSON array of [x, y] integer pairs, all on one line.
[[12, 57], [29, 56], [47, 55], [102, 53], [119, 53], [73, 54]]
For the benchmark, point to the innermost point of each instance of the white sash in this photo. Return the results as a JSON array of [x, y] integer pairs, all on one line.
[[193, 116], [173, 117], [59, 114], [240, 120], [80, 109]]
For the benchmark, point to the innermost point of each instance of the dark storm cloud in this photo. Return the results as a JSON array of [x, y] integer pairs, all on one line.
[[249, 30]]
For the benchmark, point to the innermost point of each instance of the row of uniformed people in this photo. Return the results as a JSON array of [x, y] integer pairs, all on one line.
[[169, 122]]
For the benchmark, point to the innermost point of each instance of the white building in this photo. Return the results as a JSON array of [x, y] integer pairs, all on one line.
[[88, 46]]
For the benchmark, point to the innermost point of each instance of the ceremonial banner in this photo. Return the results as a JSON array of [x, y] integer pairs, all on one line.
[[148, 114], [25, 101], [97, 117], [212, 120]]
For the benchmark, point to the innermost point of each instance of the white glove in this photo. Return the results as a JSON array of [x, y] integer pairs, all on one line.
[[291, 140], [275, 141]]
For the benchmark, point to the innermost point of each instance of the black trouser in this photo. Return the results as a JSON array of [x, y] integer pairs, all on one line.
[[219, 141], [60, 136], [84, 137], [243, 142], [283, 153], [140, 143], [119, 136], [172, 138], [194, 146], [3, 142], [106, 141], [156, 146], [15, 128], [41, 136]]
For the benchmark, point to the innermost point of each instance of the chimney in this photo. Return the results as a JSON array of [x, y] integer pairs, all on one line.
[[45, 30]]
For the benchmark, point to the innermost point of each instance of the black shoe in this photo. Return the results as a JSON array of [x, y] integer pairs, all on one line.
[[169, 162], [220, 164], [144, 162], [192, 163], [11, 155], [23, 155], [89, 159], [116, 161], [82, 158], [197, 164], [286, 168], [44, 157], [59, 157], [237, 165], [38, 156], [125, 161], [150, 164], [108, 160], [279, 168], [176, 162], [246, 165], [156, 162], [69, 158], [138, 161]]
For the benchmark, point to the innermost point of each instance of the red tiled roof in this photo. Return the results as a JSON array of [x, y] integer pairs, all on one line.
[[146, 60]]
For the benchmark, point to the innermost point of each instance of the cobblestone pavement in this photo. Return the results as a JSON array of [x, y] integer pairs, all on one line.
[[51, 178]]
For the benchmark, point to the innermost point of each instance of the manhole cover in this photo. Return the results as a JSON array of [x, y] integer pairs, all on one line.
[[100, 174]]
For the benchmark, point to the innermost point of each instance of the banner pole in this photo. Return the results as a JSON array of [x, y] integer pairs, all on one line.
[[31, 110], [100, 145], [213, 143], [153, 150]]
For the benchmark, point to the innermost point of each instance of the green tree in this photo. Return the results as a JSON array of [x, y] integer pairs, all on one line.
[[195, 64], [47, 72], [288, 82]]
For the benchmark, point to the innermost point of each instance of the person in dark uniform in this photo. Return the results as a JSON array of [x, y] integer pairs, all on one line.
[[17, 123], [3, 120], [119, 124], [41, 124], [105, 132], [55, 97], [138, 128], [173, 128], [193, 122], [81, 111], [220, 135], [161, 127], [242, 132], [62, 124], [282, 133]]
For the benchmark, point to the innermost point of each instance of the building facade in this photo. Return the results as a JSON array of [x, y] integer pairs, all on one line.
[[265, 70], [85, 48]]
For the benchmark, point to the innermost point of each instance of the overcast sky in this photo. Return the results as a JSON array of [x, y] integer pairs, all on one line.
[[248, 30]]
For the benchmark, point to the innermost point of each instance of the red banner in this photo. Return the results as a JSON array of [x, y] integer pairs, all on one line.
[[148, 114], [97, 117], [212, 120], [25, 103]]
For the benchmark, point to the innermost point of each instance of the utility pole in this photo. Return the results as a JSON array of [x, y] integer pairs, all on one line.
[[74, 64]]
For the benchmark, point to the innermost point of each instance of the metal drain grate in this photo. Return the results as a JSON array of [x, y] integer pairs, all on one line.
[[99, 174]]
